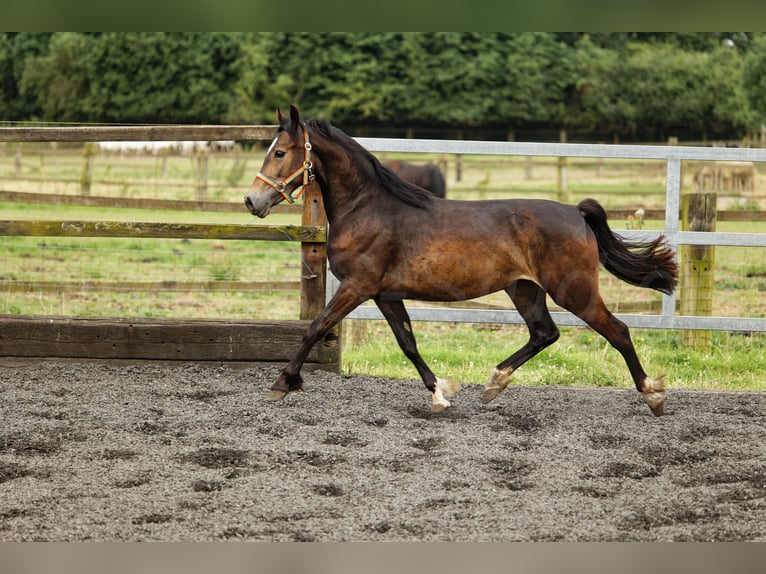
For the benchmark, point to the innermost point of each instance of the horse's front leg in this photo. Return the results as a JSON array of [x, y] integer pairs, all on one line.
[[399, 321], [345, 300]]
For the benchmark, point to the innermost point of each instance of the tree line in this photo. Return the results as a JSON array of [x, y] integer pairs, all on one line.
[[619, 85]]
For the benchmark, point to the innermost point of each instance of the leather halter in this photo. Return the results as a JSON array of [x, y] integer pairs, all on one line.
[[304, 170]]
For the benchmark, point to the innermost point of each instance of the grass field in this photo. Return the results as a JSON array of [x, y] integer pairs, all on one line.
[[468, 353], [464, 352]]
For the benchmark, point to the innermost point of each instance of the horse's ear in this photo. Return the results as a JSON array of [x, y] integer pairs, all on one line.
[[280, 117], [295, 116]]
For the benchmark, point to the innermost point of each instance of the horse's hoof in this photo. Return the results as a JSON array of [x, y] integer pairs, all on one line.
[[439, 407], [496, 384], [276, 395], [438, 402], [490, 394], [656, 402], [654, 395]]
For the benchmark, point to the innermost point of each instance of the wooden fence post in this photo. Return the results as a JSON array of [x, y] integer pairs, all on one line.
[[17, 160], [459, 160], [201, 185], [562, 183], [88, 151], [528, 165], [698, 212], [314, 276]]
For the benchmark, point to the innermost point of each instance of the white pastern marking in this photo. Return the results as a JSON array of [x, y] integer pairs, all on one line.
[[654, 395], [439, 402], [650, 385]]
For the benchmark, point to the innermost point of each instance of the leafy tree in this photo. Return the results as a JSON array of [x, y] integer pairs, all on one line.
[[635, 84], [255, 96], [15, 50], [474, 79], [754, 77], [593, 104], [727, 105], [161, 77], [59, 78]]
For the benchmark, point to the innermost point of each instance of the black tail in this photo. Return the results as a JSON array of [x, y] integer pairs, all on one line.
[[646, 264]]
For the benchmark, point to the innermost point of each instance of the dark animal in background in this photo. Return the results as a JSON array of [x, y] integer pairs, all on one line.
[[391, 240], [426, 176]]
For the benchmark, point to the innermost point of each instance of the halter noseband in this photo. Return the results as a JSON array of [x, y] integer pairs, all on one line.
[[304, 169]]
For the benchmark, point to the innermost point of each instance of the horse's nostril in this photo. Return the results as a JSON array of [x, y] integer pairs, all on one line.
[[248, 203]]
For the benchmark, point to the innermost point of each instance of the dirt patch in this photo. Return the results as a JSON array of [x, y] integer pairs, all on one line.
[[186, 452]]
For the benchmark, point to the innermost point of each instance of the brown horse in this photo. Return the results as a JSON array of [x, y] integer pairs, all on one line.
[[426, 176], [390, 240]]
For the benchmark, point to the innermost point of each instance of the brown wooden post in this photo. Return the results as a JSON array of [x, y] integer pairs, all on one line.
[[698, 213], [459, 160], [314, 277], [528, 165], [88, 151], [562, 184], [201, 174], [17, 160]]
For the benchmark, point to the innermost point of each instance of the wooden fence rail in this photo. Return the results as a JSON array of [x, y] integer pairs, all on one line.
[[171, 339], [137, 133], [136, 202], [154, 230]]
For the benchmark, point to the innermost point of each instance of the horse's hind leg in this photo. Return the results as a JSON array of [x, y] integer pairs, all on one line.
[[529, 300], [617, 333], [399, 321]]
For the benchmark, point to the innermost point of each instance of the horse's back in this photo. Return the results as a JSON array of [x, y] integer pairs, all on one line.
[[532, 215]]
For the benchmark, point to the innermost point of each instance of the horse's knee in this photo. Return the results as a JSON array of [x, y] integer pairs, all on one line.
[[545, 335]]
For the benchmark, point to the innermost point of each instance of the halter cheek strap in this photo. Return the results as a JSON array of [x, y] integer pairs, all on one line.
[[304, 170]]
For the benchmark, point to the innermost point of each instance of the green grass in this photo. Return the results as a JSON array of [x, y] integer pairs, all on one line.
[[468, 353], [47, 259]]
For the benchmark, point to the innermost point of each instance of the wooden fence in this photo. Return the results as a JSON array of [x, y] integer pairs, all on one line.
[[25, 337], [201, 340]]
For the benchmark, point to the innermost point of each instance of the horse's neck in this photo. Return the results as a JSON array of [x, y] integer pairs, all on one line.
[[339, 179]]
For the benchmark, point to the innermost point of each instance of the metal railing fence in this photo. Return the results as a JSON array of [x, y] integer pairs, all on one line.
[[672, 155]]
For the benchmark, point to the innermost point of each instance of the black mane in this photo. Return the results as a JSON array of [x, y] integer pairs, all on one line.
[[403, 190]]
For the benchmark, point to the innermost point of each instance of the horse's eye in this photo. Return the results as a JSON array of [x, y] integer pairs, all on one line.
[[279, 153]]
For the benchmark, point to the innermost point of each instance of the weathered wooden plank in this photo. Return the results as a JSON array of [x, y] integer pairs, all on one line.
[[158, 339], [57, 228], [137, 133], [138, 202], [235, 207], [10, 286]]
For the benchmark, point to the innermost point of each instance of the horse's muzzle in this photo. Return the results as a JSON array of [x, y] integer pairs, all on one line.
[[261, 209]]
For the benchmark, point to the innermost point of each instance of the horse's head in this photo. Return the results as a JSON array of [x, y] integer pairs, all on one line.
[[286, 170]]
